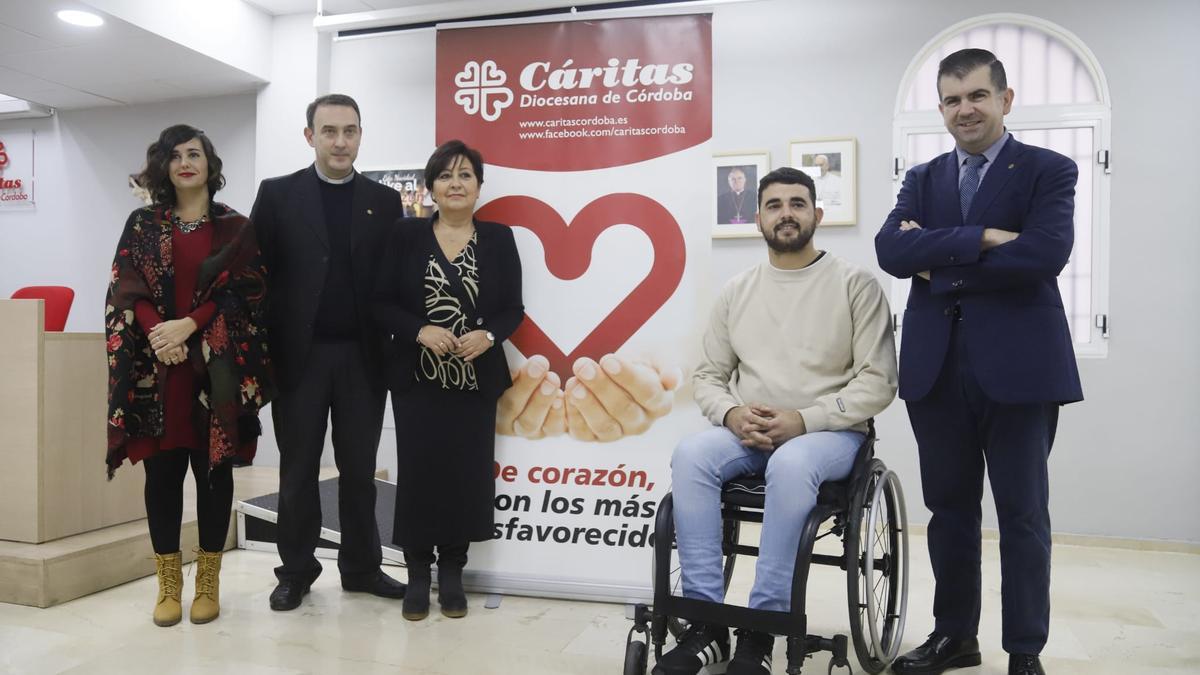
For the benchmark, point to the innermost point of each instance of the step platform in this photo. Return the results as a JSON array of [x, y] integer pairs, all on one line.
[[257, 520], [53, 572]]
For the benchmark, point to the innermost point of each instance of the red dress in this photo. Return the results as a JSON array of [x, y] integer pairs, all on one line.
[[188, 251]]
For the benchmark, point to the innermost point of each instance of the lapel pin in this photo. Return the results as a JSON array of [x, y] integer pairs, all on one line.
[[1011, 166], [371, 213]]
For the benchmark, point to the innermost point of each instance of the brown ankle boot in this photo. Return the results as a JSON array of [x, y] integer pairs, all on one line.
[[207, 604], [168, 610]]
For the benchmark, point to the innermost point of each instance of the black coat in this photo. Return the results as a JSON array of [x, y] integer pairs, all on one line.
[[290, 223], [400, 299]]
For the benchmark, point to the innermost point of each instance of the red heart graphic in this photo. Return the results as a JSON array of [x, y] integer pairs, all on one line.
[[569, 254]]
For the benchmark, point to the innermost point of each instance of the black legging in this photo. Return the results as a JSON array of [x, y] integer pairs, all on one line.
[[165, 472]]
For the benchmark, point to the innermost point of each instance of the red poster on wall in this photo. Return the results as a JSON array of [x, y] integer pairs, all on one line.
[[16, 170], [595, 139]]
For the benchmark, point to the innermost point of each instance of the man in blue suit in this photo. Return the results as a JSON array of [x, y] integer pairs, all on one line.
[[986, 358]]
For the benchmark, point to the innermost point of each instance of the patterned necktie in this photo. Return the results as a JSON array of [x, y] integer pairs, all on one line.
[[968, 184]]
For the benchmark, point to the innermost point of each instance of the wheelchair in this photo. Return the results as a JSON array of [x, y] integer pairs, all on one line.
[[866, 512]]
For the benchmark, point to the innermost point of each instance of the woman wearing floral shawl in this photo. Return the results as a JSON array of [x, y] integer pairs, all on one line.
[[187, 356]]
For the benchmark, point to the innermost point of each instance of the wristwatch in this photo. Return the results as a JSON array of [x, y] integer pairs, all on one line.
[[490, 336]]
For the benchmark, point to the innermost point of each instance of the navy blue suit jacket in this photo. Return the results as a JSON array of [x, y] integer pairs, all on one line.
[[1016, 330]]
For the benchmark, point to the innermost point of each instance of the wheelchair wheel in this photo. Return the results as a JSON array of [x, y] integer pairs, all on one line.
[[876, 548], [636, 657]]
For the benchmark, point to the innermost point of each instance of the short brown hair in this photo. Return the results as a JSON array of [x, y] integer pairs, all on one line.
[[331, 99], [962, 62]]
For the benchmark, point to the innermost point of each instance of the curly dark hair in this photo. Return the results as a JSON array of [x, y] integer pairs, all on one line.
[[156, 176]]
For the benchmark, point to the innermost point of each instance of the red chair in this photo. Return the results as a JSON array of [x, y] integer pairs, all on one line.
[[57, 299]]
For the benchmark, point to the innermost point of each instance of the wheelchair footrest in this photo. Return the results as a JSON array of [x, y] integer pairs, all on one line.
[[838, 645], [719, 614]]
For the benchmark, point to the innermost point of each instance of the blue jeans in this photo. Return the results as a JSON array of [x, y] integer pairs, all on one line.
[[794, 472]]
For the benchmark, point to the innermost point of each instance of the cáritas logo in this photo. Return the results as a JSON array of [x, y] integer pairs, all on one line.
[[481, 89], [5, 183]]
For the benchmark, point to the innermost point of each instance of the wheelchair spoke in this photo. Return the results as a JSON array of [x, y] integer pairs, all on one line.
[[881, 594]]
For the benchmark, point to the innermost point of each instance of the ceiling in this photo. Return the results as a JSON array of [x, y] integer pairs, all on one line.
[[46, 61], [488, 7], [278, 7]]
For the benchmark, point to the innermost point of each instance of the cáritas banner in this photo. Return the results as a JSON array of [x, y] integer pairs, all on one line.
[[595, 135]]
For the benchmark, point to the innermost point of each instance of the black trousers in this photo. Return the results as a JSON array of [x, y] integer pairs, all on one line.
[[959, 432], [449, 556], [335, 384], [165, 473]]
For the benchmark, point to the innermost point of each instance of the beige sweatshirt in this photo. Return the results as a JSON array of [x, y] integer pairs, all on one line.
[[818, 340]]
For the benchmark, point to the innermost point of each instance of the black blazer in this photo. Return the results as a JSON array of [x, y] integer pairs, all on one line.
[[290, 223], [400, 299]]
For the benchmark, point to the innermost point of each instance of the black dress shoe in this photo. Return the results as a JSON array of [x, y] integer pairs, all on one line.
[[1025, 664], [287, 595], [376, 584], [937, 654]]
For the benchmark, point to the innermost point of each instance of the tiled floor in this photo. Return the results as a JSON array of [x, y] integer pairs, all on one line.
[[1115, 611]]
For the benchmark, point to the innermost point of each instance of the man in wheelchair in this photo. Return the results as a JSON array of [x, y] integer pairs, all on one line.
[[798, 355]]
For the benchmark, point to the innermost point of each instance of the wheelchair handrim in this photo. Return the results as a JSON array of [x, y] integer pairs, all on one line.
[[889, 495]]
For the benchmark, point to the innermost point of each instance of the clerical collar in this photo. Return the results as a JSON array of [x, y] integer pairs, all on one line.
[[336, 181]]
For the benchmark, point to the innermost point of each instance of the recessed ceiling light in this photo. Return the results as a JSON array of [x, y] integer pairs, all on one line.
[[78, 18]]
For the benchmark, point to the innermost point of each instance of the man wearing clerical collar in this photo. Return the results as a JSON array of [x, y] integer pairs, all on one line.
[[320, 230]]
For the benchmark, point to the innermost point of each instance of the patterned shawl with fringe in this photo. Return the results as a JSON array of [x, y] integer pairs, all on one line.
[[229, 355]]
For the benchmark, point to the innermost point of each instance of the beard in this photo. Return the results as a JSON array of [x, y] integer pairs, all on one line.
[[803, 236]]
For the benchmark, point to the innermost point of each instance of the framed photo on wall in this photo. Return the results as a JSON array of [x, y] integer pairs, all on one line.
[[410, 183], [833, 165], [735, 176]]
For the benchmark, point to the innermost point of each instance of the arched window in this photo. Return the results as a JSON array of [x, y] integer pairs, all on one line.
[[1062, 104]]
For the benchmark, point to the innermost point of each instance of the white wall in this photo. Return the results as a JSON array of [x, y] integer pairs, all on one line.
[[83, 159], [280, 144], [395, 94], [1126, 459]]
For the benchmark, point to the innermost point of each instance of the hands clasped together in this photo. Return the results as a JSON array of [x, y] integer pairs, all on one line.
[[603, 401], [441, 341], [763, 427], [168, 340]]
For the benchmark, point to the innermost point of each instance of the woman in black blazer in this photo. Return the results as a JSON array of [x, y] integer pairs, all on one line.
[[449, 295]]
